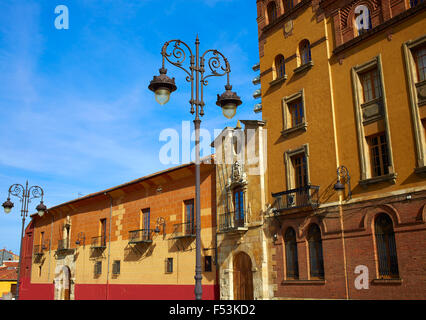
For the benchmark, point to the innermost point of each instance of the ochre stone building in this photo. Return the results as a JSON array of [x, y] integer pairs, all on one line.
[[343, 98], [241, 205], [133, 241]]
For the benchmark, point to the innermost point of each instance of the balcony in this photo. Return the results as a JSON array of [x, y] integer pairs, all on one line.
[[256, 80], [63, 245], [303, 197], [39, 250], [229, 222], [140, 236], [183, 230], [98, 242], [258, 108], [257, 94]]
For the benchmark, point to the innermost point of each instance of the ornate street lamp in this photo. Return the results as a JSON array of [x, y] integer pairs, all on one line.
[[343, 174], [163, 86], [25, 195]]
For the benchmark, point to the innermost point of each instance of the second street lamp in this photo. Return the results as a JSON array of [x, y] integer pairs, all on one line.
[[25, 195], [163, 86]]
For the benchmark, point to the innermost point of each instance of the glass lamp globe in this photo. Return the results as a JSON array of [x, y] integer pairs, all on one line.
[[41, 209], [162, 96], [229, 110]]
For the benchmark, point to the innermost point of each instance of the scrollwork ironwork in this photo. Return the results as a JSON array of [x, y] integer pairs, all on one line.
[[35, 192], [178, 56], [217, 63], [17, 190]]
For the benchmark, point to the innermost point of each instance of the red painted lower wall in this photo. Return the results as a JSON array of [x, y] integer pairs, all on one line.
[[36, 291], [142, 292], [31, 291]]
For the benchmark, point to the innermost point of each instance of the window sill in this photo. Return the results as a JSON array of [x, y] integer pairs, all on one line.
[[300, 127], [278, 80], [304, 282], [391, 177], [304, 67], [395, 281]]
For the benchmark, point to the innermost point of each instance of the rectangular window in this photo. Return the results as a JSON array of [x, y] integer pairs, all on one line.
[[420, 61], [300, 170], [98, 268], [370, 83], [189, 217], [169, 265], [103, 232], [239, 207], [378, 155], [116, 267], [207, 263], [146, 215], [296, 112]]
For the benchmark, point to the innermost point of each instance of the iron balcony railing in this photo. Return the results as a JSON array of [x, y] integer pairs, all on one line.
[[98, 242], [231, 221], [63, 244], [306, 196], [140, 236], [38, 249], [186, 229]]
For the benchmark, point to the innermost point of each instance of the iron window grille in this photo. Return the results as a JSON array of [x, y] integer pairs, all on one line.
[[98, 268], [315, 252], [292, 265], [207, 263], [386, 247], [116, 267], [169, 265]]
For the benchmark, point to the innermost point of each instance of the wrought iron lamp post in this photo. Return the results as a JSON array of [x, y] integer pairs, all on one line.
[[163, 86], [25, 195]]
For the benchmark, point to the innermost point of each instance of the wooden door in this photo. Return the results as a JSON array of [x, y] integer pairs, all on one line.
[[243, 277]]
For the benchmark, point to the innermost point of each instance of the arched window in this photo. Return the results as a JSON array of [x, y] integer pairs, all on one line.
[[288, 5], [305, 52], [279, 66], [292, 265], [272, 11], [386, 247], [315, 252]]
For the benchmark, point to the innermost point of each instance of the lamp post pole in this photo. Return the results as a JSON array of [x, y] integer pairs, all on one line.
[[163, 86], [25, 195]]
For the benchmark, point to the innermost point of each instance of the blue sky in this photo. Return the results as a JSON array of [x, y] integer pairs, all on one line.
[[76, 116]]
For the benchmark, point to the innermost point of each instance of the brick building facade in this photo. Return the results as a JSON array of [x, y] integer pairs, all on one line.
[[343, 101], [133, 241]]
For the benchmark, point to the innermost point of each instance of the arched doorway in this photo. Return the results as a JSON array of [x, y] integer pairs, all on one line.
[[62, 283], [243, 277]]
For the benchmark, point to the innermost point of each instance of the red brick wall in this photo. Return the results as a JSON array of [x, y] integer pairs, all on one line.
[[409, 221]]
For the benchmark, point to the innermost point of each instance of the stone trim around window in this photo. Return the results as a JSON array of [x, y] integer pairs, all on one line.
[[278, 80], [289, 167], [304, 67], [286, 114], [416, 101], [365, 177]]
